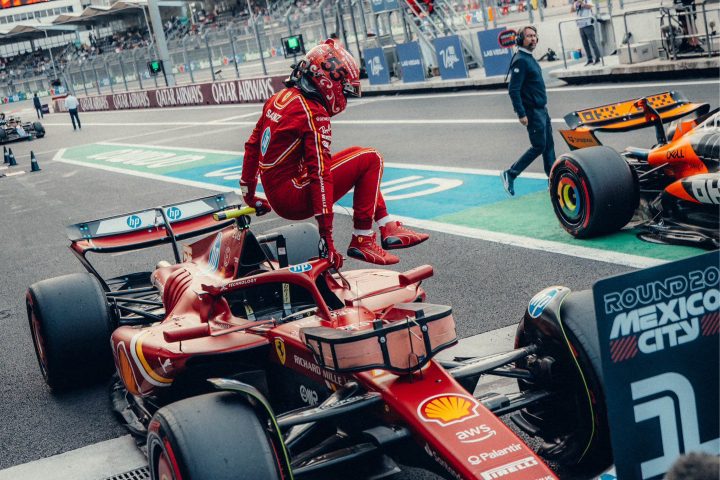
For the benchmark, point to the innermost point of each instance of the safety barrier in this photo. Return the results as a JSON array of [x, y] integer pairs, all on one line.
[[250, 90]]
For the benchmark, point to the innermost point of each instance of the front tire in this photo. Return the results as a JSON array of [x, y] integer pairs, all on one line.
[[574, 422], [217, 436], [70, 325], [593, 191], [39, 130]]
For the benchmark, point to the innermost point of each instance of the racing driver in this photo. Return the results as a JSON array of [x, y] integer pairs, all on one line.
[[290, 149]]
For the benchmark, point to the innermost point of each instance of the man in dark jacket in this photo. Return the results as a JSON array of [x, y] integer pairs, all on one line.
[[38, 106], [529, 99]]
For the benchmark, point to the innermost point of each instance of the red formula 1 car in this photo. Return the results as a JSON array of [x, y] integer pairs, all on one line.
[[249, 357], [673, 188]]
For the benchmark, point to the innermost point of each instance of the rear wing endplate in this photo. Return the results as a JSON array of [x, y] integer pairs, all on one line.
[[625, 116], [153, 226]]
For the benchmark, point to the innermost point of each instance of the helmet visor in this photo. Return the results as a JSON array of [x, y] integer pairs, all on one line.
[[351, 89]]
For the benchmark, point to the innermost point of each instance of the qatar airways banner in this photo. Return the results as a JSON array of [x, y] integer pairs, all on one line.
[[251, 90]]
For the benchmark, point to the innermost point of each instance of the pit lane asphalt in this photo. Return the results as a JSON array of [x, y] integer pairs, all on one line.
[[487, 284]]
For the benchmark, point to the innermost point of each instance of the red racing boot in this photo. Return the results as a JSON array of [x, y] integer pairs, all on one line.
[[394, 235], [365, 247]]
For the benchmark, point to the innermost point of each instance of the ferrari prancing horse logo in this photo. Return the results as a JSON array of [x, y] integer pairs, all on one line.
[[280, 350]]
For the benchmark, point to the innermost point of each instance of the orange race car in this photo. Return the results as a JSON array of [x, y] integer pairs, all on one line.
[[672, 189]]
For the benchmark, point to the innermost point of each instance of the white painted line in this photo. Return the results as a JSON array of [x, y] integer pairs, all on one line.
[[425, 121], [12, 174], [223, 120], [597, 255], [126, 124], [151, 176], [93, 462], [201, 150], [437, 121], [661, 86], [154, 132], [198, 134]]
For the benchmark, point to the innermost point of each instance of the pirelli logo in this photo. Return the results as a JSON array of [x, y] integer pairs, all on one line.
[[509, 468]]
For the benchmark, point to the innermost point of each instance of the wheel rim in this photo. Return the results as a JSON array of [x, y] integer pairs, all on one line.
[[570, 198], [38, 340], [167, 468]]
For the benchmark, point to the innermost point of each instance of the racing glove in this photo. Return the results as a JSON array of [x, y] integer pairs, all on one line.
[[327, 246], [260, 205]]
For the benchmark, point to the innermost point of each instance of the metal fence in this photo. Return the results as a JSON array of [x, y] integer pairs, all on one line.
[[253, 47]]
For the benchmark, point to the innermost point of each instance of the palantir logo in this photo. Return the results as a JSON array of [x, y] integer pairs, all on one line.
[[375, 66], [449, 57], [679, 397], [133, 221], [174, 213]]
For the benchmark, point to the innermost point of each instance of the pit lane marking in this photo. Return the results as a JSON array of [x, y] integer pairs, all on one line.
[[447, 228]]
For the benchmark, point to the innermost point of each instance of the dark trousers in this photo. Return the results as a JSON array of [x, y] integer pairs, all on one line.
[[74, 116], [541, 140], [39, 112], [587, 34]]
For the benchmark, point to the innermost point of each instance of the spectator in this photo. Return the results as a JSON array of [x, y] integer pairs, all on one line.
[[529, 100], [71, 103], [38, 106], [586, 23]]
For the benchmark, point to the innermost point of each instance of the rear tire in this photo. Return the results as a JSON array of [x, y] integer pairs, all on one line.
[[593, 191], [3, 135], [39, 130], [301, 240], [217, 436], [574, 424], [70, 325]]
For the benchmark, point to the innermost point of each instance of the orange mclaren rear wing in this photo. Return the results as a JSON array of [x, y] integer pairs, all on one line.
[[147, 228], [625, 116]]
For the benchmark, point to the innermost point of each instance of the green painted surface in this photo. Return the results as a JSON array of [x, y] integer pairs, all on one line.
[[532, 216], [150, 159]]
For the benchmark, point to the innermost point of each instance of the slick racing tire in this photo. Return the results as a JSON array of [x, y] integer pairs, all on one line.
[[593, 191], [573, 422], [216, 436], [39, 129], [301, 241], [70, 323], [3, 135]]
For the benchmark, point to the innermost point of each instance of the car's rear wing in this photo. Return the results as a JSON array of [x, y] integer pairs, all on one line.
[[626, 116], [153, 226]]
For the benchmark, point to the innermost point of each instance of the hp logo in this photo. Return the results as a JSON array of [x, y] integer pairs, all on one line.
[[174, 213], [134, 221]]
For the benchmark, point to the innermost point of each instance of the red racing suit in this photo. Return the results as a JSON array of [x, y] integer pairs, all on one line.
[[289, 149]]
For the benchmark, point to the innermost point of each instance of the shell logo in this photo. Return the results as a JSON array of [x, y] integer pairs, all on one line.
[[448, 409]]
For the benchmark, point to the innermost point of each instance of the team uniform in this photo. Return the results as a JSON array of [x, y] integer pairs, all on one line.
[[289, 151]]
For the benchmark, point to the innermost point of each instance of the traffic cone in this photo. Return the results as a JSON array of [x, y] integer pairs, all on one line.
[[11, 158], [34, 167], [6, 159]]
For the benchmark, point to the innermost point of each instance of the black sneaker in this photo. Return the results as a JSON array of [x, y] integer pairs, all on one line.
[[508, 179], [597, 61], [589, 62]]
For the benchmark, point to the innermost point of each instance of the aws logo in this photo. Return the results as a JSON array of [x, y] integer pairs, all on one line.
[[448, 409]]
